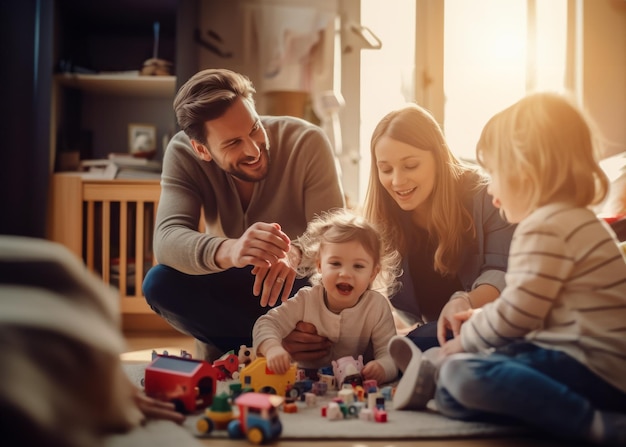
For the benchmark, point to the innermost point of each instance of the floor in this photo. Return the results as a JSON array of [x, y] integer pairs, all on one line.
[[141, 344]]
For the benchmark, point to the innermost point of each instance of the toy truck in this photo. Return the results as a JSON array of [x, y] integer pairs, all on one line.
[[258, 418], [189, 384], [263, 380], [228, 367]]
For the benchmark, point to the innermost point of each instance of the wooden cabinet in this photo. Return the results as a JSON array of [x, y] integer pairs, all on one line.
[[109, 224]]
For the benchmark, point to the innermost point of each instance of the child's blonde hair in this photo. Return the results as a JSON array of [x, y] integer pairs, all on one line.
[[546, 139], [341, 225]]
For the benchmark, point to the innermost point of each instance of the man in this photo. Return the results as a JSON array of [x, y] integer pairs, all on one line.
[[257, 181]]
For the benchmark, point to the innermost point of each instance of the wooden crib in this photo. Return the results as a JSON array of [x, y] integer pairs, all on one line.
[[109, 224]]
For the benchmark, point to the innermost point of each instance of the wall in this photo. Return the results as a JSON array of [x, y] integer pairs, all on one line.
[[107, 118], [231, 29], [601, 78], [235, 38], [604, 69], [112, 36], [26, 78]]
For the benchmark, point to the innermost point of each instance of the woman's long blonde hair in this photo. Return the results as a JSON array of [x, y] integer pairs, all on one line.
[[450, 221], [547, 144]]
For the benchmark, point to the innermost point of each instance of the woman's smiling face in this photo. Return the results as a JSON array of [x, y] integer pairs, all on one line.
[[406, 172]]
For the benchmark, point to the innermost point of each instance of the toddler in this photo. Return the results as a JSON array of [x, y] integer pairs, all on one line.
[[345, 254]]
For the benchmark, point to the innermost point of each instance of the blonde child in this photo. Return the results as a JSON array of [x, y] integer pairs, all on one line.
[[550, 352], [346, 254]]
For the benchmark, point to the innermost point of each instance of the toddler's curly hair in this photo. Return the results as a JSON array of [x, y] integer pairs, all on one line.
[[343, 225]]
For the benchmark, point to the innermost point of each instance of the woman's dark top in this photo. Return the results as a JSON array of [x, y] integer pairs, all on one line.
[[424, 292]]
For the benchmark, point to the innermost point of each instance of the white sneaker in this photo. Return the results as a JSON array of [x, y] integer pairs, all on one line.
[[417, 384]]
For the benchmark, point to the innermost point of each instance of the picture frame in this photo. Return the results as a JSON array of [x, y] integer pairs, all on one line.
[[142, 139]]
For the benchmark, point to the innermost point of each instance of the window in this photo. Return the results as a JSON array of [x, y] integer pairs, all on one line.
[[387, 74], [496, 51]]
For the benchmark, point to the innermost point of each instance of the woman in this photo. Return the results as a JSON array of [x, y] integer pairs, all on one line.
[[437, 212]]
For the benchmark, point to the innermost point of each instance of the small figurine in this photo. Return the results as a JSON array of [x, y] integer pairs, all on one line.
[[246, 355], [333, 411], [310, 399], [290, 407], [217, 416], [329, 381], [346, 395], [347, 367], [319, 388]]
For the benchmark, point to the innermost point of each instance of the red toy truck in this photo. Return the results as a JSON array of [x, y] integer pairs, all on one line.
[[190, 384]]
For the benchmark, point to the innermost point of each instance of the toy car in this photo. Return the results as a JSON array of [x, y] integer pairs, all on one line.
[[228, 367], [297, 390], [258, 418]]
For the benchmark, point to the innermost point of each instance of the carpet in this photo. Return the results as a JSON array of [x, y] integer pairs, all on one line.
[[308, 423]]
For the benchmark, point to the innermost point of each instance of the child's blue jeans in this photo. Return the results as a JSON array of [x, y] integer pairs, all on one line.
[[522, 382]]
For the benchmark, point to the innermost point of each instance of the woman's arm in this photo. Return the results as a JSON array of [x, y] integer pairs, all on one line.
[[486, 269]]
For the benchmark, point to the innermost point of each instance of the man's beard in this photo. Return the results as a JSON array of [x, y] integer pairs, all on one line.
[[242, 175]]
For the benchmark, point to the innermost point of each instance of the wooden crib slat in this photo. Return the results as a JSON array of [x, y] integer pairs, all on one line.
[[106, 241], [154, 213], [139, 248], [123, 249], [90, 235]]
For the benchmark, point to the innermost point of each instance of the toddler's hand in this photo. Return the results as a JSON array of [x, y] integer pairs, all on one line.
[[465, 315], [452, 346], [278, 359], [373, 371]]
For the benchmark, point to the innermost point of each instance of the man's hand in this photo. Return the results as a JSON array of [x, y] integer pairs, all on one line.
[[269, 282], [303, 343], [262, 245]]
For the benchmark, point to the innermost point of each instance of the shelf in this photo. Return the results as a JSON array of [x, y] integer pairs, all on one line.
[[121, 84]]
